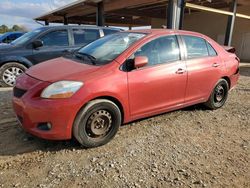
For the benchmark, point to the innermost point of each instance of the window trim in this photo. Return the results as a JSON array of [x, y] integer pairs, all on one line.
[[185, 47], [208, 43]]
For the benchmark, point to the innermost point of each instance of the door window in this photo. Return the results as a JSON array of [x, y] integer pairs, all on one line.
[[211, 50], [196, 47], [56, 38], [85, 36], [9, 38], [160, 50], [6, 40]]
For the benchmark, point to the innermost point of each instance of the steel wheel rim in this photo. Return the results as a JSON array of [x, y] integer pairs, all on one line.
[[99, 124], [219, 94], [10, 75]]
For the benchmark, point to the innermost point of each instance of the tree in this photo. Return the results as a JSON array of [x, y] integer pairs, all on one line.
[[16, 28], [4, 29]]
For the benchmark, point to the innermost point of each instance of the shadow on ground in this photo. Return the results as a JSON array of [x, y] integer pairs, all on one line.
[[13, 140]]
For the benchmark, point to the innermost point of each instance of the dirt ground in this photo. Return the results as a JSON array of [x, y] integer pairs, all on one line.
[[192, 147]]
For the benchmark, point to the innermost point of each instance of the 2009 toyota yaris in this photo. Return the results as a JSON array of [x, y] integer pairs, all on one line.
[[121, 78]]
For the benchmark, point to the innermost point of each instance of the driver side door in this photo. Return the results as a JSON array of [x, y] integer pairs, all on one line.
[[55, 44], [161, 84]]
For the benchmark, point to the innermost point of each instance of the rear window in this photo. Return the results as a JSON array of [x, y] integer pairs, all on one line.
[[109, 31], [85, 36], [211, 50], [196, 47]]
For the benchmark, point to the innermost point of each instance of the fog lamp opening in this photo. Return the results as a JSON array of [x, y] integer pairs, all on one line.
[[45, 126]]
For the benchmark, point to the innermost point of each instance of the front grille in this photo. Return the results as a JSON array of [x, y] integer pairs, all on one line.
[[17, 92]]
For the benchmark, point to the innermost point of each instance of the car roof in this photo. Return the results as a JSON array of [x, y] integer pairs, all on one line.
[[164, 31], [80, 26]]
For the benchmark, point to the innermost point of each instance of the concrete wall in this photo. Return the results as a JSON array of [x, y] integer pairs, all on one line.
[[214, 26]]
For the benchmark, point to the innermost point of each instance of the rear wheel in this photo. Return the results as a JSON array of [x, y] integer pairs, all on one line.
[[97, 123], [219, 95], [9, 72]]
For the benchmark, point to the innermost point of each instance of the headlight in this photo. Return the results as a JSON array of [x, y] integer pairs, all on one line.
[[61, 89]]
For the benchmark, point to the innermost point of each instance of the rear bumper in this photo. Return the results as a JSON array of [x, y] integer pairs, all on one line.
[[234, 79]]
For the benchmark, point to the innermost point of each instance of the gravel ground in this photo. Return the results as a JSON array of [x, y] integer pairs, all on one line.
[[192, 147]]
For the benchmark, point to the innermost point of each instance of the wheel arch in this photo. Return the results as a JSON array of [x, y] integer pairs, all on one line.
[[223, 77], [110, 98], [114, 100], [20, 60], [107, 97], [228, 80]]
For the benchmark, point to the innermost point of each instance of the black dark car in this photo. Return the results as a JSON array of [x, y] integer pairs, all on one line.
[[43, 44], [10, 36]]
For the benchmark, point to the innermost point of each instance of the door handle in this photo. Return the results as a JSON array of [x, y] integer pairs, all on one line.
[[66, 51], [180, 71], [216, 65]]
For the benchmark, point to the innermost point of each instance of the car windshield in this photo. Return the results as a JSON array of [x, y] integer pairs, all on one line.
[[3, 36], [106, 49], [26, 37]]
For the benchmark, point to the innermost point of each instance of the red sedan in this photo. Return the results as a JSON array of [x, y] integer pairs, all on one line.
[[120, 78]]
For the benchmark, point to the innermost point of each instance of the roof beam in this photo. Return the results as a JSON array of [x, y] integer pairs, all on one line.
[[149, 14], [120, 4], [208, 9]]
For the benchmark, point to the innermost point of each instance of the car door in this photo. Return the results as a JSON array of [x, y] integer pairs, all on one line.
[[161, 84], [203, 66], [82, 36], [55, 44]]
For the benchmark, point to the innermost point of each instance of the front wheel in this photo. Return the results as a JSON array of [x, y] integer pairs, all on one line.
[[97, 123], [9, 72], [219, 95]]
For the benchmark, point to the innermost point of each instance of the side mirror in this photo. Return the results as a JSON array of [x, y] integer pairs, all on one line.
[[140, 61], [37, 44]]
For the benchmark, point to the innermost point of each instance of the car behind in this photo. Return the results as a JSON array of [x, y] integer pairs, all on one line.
[[43, 44], [8, 37]]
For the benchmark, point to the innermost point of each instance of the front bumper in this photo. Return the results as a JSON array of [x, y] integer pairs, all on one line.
[[31, 110]]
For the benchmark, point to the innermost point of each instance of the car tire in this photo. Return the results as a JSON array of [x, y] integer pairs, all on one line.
[[97, 123], [9, 72], [218, 96]]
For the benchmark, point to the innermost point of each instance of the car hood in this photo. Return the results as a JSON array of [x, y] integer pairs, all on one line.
[[61, 69], [5, 47]]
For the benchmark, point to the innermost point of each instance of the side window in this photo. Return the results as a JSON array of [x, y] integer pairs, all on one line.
[[18, 35], [85, 36], [6, 39], [9, 38], [211, 50], [109, 31], [196, 47], [161, 50], [12, 37], [56, 38]]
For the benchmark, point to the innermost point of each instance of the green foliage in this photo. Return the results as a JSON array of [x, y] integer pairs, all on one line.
[[4, 28]]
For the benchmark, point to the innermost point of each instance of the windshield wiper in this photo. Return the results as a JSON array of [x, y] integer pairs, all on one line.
[[90, 57]]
